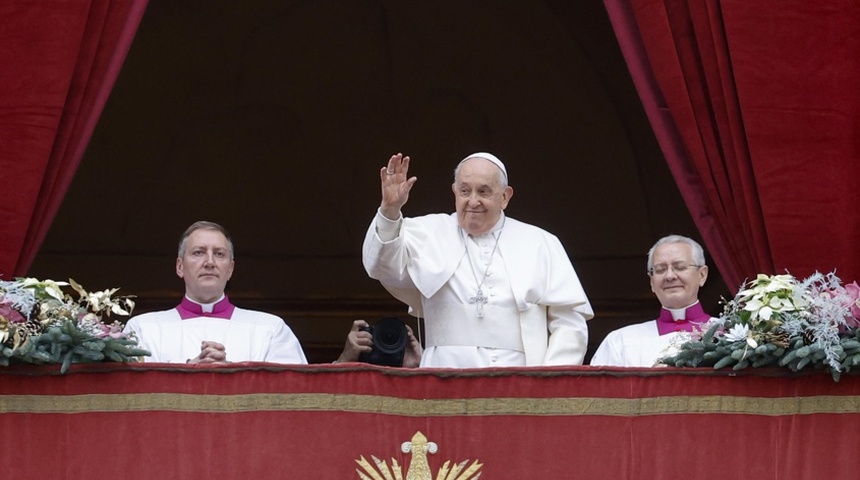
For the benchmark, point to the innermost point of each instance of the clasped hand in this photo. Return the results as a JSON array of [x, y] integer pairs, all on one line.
[[210, 352]]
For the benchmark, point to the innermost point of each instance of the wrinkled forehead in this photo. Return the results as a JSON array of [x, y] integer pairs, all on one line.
[[490, 158], [207, 238], [672, 253], [478, 172]]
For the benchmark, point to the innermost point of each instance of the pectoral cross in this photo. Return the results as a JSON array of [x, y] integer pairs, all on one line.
[[479, 300]]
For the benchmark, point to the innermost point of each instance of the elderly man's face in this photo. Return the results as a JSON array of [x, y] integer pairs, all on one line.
[[206, 265], [479, 196], [676, 288]]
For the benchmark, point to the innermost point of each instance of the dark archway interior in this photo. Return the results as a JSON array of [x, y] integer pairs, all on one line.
[[273, 118]]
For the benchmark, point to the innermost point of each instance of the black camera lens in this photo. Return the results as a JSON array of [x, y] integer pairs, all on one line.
[[389, 342], [390, 337]]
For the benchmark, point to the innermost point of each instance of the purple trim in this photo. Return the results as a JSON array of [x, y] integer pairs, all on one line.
[[694, 316], [188, 309]]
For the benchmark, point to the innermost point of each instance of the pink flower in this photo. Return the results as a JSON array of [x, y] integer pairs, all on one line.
[[113, 330], [9, 313], [833, 292], [853, 291]]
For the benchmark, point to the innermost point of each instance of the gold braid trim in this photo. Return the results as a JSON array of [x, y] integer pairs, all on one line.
[[324, 402]]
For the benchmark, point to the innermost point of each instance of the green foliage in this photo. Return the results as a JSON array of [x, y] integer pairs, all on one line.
[[66, 344], [779, 321], [797, 355], [51, 327]]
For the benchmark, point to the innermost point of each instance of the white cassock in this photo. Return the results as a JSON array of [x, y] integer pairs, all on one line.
[[534, 309], [247, 336], [638, 345], [642, 344]]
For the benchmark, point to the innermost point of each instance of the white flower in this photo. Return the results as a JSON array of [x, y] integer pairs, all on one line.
[[737, 333], [52, 288], [103, 301], [768, 296]]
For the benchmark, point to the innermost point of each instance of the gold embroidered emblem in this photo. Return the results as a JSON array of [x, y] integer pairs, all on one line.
[[419, 468]]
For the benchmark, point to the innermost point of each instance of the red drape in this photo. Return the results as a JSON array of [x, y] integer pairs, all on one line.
[[258, 421], [757, 109], [58, 63]]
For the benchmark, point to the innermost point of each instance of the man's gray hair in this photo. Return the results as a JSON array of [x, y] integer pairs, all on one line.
[[204, 225], [698, 252]]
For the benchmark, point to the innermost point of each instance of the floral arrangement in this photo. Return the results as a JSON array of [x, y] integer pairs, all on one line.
[[39, 324], [780, 321]]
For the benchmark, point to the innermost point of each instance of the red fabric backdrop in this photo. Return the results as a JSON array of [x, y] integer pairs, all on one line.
[[756, 106], [260, 422], [59, 62], [757, 109]]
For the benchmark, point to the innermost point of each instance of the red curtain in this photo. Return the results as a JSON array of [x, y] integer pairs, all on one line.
[[59, 62], [756, 106]]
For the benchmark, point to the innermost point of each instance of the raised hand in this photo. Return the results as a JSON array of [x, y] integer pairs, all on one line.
[[395, 186]]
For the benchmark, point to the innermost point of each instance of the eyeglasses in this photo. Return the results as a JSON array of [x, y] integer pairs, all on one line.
[[676, 267]]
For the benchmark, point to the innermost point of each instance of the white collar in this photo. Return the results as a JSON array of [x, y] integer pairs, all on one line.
[[680, 313], [206, 307]]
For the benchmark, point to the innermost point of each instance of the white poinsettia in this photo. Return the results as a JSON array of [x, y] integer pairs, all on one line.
[[770, 295], [49, 287], [782, 321]]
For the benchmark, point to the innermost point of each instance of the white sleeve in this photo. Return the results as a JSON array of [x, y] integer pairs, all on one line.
[[285, 347], [607, 353], [387, 230], [568, 336], [384, 253]]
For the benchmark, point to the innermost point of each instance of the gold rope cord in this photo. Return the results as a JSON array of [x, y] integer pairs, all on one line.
[[325, 402]]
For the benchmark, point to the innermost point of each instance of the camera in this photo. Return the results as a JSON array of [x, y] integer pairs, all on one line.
[[390, 338]]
